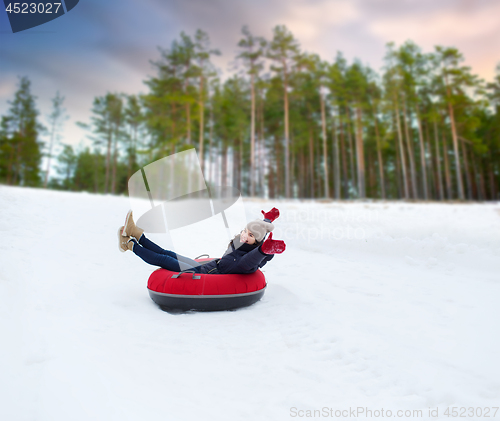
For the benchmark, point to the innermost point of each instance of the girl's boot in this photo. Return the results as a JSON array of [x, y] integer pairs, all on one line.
[[130, 229], [124, 243]]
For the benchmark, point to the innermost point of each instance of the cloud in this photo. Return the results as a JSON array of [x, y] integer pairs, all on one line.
[[7, 85], [106, 46], [309, 20], [470, 25], [450, 25]]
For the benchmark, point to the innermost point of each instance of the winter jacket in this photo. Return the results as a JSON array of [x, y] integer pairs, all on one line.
[[238, 258]]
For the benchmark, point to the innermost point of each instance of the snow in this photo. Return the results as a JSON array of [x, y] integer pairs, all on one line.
[[373, 305]]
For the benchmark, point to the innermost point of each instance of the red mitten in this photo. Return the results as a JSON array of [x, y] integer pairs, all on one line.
[[272, 214], [271, 246]]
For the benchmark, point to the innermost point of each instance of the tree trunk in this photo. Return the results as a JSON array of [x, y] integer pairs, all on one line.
[[66, 181], [11, 164], [325, 155], [336, 162], [272, 183], [224, 181], [18, 178], [252, 138], [447, 169], [263, 161], [493, 189], [210, 146], [131, 156], [52, 132], [438, 163], [372, 175], [218, 164], [345, 170], [202, 125], [174, 116], [479, 178], [188, 116], [422, 156], [234, 176], [240, 167], [278, 179], [379, 158], [351, 150], [429, 163], [401, 149], [287, 157], [292, 173], [108, 159], [409, 145], [360, 154], [454, 136], [96, 172], [311, 162], [473, 179], [115, 159], [399, 175], [467, 172]]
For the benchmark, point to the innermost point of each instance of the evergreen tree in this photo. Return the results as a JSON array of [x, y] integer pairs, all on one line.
[[56, 118], [134, 119], [454, 80], [67, 162], [252, 51], [357, 83], [203, 71], [284, 51], [20, 150], [106, 125]]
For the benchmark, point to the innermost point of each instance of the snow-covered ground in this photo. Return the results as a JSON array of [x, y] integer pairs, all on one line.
[[372, 305]]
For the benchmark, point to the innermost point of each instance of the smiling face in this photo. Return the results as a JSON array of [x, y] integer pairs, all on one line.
[[246, 236]]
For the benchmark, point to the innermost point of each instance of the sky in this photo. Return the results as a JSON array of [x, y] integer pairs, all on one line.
[[106, 46]]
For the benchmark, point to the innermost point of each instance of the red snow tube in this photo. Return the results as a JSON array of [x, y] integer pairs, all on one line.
[[198, 291]]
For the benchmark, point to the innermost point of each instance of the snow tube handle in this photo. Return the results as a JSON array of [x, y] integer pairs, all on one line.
[[201, 255], [186, 271]]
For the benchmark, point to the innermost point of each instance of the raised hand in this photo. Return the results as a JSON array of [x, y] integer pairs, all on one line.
[[271, 246], [271, 215]]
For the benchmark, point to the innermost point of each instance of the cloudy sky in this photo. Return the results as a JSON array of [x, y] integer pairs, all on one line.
[[106, 45]]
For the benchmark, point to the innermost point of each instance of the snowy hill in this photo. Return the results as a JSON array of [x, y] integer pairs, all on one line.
[[372, 305]]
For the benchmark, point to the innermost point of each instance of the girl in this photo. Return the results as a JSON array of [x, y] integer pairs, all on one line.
[[246, 252]]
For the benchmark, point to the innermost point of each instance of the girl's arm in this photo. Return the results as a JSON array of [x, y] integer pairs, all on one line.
[[267, 259], [252, 261]]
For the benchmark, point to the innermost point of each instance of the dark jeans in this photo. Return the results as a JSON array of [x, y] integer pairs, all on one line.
[[155, 255]]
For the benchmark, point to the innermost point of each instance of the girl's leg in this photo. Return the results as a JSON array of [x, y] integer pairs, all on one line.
[[163, 260], [148, 244]]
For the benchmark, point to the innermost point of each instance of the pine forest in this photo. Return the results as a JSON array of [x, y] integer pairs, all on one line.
[[284, 123]]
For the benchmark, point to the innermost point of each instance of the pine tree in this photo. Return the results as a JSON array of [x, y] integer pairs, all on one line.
[[67, 162], [357, 83], [392, 87], [251, 54], [284, 51], [134, 118], [454, 81], [21, 149], [56, 118], [203, 71]]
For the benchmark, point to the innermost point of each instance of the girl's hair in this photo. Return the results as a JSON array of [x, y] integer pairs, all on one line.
[[257, 243]]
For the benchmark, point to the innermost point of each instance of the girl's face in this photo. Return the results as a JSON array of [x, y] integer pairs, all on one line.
[[246, 236]]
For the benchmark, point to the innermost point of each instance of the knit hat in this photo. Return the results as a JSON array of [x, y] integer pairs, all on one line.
[[259, 229]]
